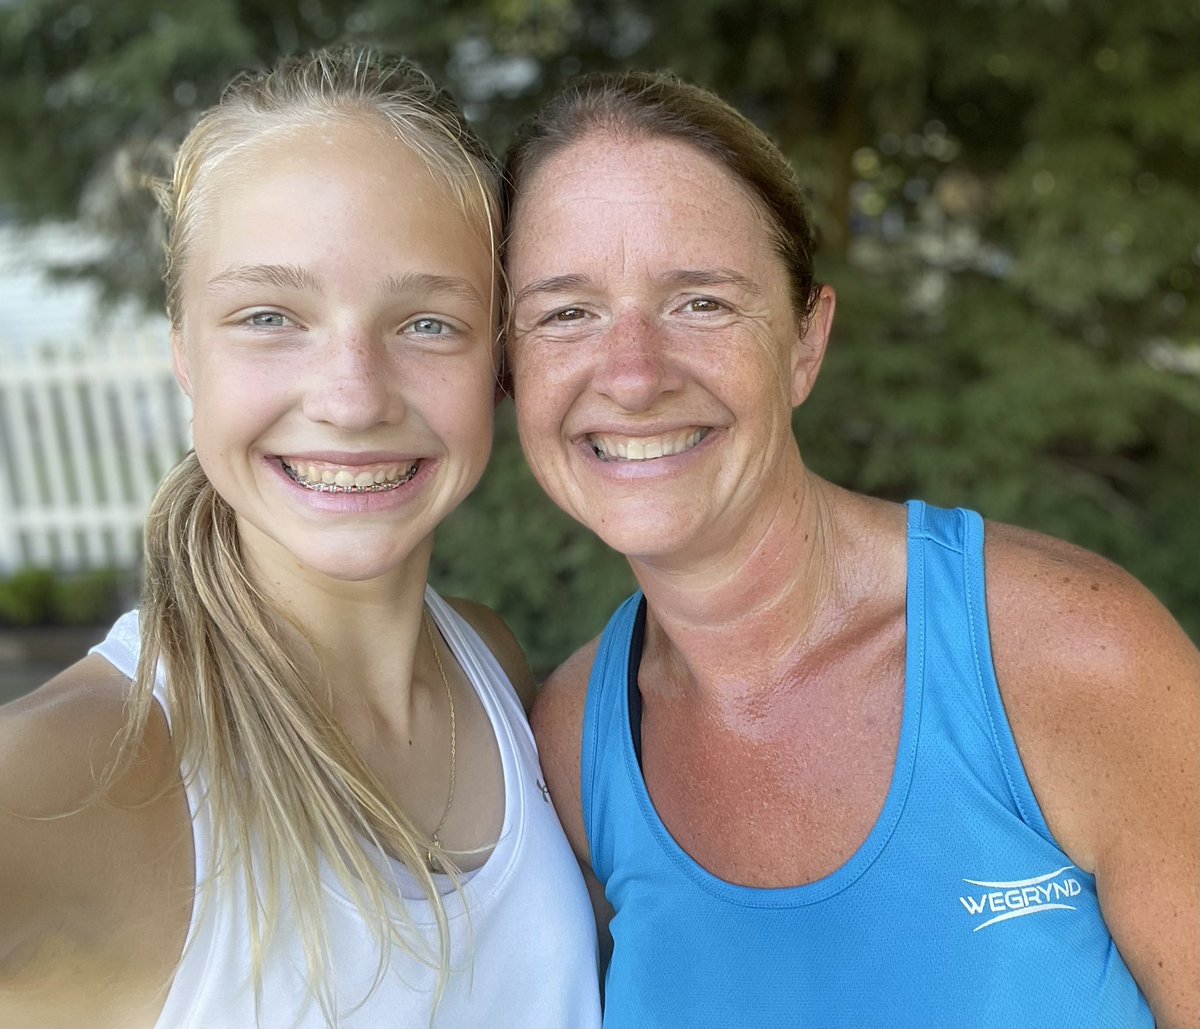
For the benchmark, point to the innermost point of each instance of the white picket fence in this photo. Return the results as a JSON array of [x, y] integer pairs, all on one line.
[[87, 431]]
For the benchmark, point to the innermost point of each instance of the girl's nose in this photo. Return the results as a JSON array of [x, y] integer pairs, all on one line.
[[350, 386]]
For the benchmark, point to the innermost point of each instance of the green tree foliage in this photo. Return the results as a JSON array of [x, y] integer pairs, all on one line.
[[44, 596], [1007, 193]]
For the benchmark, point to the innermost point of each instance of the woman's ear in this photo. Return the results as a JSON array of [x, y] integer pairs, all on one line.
[[179, 361], [811, 341]]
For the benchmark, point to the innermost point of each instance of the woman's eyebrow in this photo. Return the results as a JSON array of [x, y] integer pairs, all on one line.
[[285, 276], [711, 277], [676, 278], [553, 284]]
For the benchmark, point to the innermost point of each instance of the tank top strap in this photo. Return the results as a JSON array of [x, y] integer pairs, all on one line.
[[607, 733], [946, 550]]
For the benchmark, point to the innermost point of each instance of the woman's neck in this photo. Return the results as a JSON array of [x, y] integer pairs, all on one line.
[[742, 625]]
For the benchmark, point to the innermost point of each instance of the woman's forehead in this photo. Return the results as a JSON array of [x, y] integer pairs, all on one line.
[[606, 191], [603, 158]]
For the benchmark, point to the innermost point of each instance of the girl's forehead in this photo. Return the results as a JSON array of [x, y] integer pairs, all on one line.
[[337, 166], [339, 202], [357, 139]]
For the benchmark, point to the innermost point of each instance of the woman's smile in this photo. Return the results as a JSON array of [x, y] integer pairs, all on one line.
[[610, 447]]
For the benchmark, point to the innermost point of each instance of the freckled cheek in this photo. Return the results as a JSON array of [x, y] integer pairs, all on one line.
[[542, 444], [751, 374], [236, 405], [558, 366], [461, 409], [540, 422]]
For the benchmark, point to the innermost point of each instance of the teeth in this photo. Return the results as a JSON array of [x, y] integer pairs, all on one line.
[[323, 479], [611, 449]]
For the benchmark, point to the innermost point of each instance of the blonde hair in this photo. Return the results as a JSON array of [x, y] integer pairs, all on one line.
[[241, 708], [342, 84]]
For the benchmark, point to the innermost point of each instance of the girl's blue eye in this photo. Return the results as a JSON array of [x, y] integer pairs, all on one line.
[[267, 320], [429, 326]]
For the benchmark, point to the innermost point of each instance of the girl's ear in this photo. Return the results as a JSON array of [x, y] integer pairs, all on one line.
[[811, 341], [179, 361]]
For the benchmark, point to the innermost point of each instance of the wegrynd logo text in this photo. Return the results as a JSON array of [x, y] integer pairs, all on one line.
[[1000, 901]]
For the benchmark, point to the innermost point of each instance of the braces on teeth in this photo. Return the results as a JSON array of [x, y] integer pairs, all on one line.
[[332, 487]]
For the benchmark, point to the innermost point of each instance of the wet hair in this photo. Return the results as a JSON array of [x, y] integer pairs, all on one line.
[[286, 788], [348, 85], [641, 105]]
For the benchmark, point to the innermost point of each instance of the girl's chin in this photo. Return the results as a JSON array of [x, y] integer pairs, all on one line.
[[357, 558]]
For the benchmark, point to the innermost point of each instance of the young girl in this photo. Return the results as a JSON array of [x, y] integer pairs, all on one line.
[[297, 787]]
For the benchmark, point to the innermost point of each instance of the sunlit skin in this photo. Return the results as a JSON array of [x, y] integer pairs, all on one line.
[[315, 334], [648, 316]]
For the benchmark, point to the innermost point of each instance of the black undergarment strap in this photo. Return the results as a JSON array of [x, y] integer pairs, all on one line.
[[631, 675]]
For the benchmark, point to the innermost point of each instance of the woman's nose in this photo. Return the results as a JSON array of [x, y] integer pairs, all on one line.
[[636, 366]]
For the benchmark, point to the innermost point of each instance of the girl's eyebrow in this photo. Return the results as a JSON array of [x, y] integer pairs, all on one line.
[[424, 282], [288, 276], [285, 276]]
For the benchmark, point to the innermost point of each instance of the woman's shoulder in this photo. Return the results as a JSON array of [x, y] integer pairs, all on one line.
[[1057, 596], [1096, 677], [557, 717], [1071, 627]]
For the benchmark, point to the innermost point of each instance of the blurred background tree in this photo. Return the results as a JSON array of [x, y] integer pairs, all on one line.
[[1008, 194]]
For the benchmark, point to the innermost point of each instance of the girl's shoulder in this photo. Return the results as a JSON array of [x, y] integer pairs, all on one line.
[[499, 639], [76, 851], [57, 741]]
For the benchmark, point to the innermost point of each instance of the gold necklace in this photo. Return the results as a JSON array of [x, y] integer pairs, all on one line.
[[431, 859]]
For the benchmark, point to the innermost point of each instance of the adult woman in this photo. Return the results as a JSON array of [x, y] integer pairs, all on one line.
[[793, 768], [357, 836]]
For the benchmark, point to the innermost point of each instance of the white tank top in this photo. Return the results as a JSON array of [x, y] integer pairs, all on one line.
[[523, 938]]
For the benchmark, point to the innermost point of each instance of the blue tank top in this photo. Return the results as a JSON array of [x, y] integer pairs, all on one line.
[[959, 909]]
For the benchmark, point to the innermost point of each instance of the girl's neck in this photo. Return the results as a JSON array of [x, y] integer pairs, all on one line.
[[356, 640]]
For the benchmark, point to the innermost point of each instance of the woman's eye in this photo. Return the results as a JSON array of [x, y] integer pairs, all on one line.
[[429, 327], [267, 320], [703, 305]]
